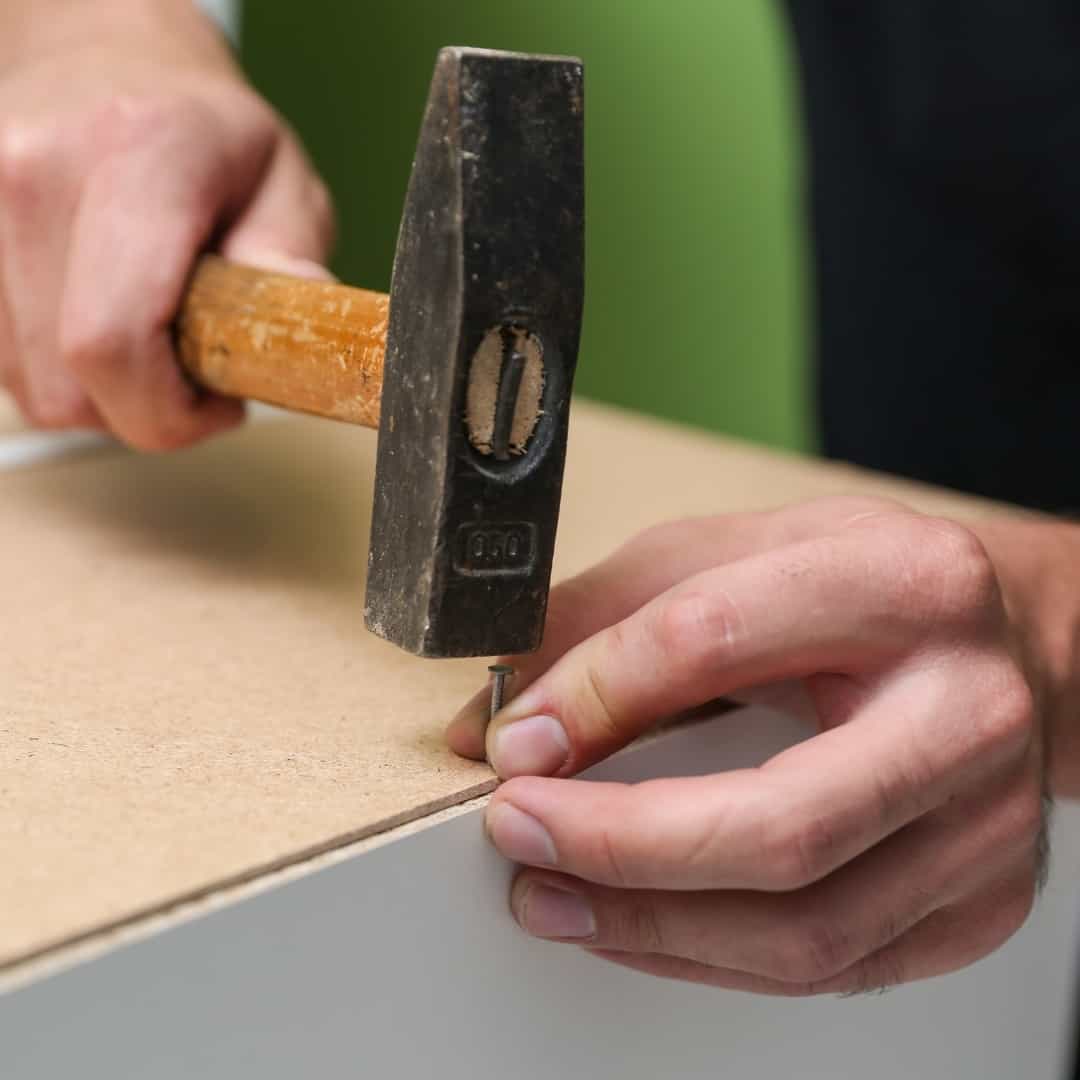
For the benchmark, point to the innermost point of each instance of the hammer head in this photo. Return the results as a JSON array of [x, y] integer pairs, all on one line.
[[485, 317]]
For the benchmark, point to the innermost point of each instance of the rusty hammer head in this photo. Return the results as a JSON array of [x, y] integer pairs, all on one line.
[[485, 316]]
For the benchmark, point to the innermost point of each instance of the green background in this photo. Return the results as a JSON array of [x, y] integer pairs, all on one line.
[[695, 303]]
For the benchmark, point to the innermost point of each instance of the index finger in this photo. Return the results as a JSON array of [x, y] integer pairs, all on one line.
[[853, 603], [650, 564], [829, 604]]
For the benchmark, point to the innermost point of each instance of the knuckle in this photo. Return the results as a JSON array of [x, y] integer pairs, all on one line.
[[680, 623], [604, 721], [697, 624], [957, 566], [1022, 818], [613, 860], [153, 436], [90, 347], [66, 408], [120, 116], [637, 925], [798, 854], [26, 154], [31, 411], [262, 122], [13, 385], [123, 119], [939, 572], [157, 428], [1010, 721], [816, 949]]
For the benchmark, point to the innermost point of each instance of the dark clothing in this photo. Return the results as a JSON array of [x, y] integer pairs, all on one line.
[[944, 187]]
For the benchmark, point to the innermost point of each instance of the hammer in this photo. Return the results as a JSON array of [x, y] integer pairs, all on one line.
[[465, 368]]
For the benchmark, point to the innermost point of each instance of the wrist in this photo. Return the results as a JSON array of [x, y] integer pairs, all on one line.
[[1038, 566]]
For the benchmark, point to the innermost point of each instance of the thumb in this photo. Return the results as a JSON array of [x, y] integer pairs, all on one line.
[[288, 226]]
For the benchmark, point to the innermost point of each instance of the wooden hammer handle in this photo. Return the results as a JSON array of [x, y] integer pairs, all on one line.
[[309, 345]]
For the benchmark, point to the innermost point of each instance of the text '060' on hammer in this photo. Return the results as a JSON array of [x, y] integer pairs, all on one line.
[[466, 367]]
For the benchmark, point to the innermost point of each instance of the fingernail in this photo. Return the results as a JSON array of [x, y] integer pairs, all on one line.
[[280, 262], [537, 746], [519, 836], [553, 913]]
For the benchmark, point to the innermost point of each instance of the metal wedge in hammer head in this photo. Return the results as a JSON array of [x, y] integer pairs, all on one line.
[[485, 316], [465, 368]]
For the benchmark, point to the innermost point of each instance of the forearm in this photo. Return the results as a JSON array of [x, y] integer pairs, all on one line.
[[1038, 564]]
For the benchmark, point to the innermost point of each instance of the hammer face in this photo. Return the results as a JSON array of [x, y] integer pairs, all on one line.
[[485, 317]]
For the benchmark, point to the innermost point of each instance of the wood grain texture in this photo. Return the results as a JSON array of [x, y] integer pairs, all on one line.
[[188, 694], [313, 346]]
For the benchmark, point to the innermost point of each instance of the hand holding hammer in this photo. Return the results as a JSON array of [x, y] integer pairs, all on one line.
[[465, 368]]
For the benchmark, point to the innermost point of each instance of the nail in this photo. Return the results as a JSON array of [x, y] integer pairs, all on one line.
[[554, 913], [536, 746], [519, 836], [499, 675]]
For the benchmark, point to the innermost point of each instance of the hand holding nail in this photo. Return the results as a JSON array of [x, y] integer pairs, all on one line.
[[902, 841]]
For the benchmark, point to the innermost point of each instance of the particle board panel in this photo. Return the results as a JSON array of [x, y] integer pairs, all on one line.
[[188, 698]]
